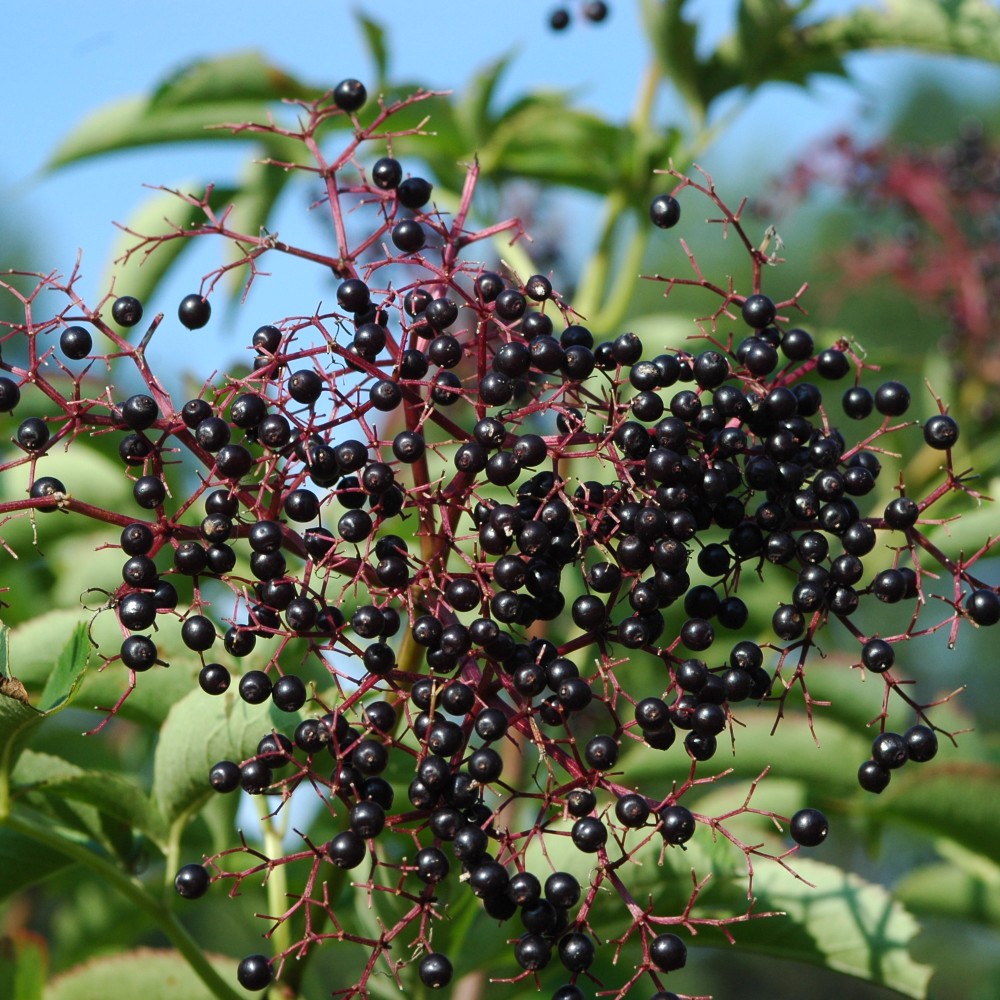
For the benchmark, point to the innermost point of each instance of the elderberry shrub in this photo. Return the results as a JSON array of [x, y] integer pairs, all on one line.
[[482, 537]]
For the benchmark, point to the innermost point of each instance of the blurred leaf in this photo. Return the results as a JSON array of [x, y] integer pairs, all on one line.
[[938, 890], [114, 794], [769, 45], [238, 77], [22, 967], [24, 862], [374, 35], [956, 800], [674, 40], [541, 139], [960, 27], [199, 732], [474, 107], [132, 123], [147, 973]]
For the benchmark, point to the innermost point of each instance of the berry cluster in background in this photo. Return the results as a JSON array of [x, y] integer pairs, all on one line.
[[594, 11], [443, 526]]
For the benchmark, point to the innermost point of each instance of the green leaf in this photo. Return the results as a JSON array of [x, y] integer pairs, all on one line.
[[542, 139], [145, 972], [237, 77], [18, 719], [474, 108], [769, 46], [199, 732], [22, 967], [968, 28], [113, 794], [675, 40], [957, 800], [841, 922], [132, 123], [374, 35], [25, 862], [938, 890], [64, 681]]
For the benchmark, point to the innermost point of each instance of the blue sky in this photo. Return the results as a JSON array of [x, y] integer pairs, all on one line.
[[64, 60]]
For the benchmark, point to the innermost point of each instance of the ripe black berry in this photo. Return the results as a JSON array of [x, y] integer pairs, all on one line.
[[194, 311], [435, 970], [192, 881], [225, 776], [758, 311], [408, 236], [288, 693], [665, 211], [921, 743], [255, 687], [350, 95], [873, 776], [214, 678], [138, 652], [387, 173], [126, 311], [532, 952], [809, 827], [198, 633], [254, 972], [668, 952], [983, 607], [75, 342], [941, 431], [678, 824], [589, 834]]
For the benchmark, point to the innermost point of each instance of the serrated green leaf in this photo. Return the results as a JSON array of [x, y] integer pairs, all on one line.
[[675, 43], [199, 731], [113, 794], [237, 76], [64, 681], [147, 973], [769, 46], [22, 967]]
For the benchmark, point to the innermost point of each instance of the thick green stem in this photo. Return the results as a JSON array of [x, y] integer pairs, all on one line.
[[134, 892]]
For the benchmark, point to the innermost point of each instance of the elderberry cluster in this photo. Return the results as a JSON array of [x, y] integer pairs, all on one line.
[[454, 524]]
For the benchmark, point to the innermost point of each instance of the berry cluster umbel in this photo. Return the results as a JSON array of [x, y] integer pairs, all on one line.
[[393, 489]]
